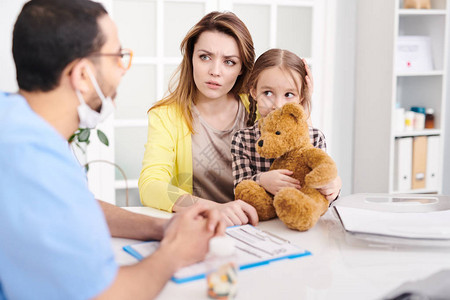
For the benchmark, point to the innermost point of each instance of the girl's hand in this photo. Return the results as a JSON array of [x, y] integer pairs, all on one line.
[[272, 181], [332, 189], [309, 79]]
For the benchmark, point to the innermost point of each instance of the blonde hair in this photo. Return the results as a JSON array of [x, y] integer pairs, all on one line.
[[278, 58], [185, 91]]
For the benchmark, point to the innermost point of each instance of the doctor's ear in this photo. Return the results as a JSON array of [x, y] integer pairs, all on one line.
[[78, 75]]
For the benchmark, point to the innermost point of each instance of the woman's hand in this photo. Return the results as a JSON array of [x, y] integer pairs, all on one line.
[[237, 212], [232, 213], [274, 180]]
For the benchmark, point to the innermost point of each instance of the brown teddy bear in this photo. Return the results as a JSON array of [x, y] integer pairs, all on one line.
[[285, 136]]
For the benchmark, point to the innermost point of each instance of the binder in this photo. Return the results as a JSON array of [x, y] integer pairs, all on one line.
[[403, 164], [254, 248], [432, 176], [419, 162]]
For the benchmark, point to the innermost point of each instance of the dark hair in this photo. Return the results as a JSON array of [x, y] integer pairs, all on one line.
[[278, 58], [50, 34]]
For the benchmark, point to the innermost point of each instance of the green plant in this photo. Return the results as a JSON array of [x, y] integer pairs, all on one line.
[[82, 135]]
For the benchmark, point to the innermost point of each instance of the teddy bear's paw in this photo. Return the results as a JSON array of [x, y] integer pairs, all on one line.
[[321, 176], [296, 209], [255, 195]]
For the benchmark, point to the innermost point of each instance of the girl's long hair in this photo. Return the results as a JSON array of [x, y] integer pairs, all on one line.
[[184, 93]]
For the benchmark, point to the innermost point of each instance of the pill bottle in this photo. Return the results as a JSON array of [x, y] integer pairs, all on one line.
[[429, 118], [419, 121], [222, 268], [409, 120], [399, 119]]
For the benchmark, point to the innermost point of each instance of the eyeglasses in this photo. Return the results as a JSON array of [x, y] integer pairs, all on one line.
[[126, 56]]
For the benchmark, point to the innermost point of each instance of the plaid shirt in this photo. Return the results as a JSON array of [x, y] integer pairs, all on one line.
[[247, 163]]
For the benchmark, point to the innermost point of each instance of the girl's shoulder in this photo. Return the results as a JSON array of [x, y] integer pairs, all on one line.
[[316, 133], [317, 138], [248, 134]]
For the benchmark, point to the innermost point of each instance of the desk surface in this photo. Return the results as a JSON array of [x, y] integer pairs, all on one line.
[[336, 270]]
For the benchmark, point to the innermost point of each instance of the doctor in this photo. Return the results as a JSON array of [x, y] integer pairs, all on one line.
[[55, 242]]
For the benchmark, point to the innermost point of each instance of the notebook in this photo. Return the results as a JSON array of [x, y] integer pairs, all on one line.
[[254, 247]]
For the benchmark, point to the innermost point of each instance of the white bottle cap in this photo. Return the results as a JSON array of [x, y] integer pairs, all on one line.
[[221, 246], [429, 111]]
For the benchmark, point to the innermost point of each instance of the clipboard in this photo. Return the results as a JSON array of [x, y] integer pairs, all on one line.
[[254, 248]]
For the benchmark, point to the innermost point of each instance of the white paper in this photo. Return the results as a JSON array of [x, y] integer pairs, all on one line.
[[425, 225], [253, 246]]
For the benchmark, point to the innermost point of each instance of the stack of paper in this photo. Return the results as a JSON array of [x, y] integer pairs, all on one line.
[[424, 225]]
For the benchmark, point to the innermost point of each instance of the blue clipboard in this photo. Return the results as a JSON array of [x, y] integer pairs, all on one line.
[[247, 239]]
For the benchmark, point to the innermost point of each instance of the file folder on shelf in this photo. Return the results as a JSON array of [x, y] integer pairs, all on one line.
[[403, 164], [432, 176], [419, 162], [254, 248]]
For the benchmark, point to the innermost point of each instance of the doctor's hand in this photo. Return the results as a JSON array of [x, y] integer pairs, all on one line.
[[188, 233], [273, 181], [332, 189]]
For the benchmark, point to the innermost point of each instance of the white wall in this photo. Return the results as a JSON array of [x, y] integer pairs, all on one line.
[[446, 165], [8, 14], [342, 37]]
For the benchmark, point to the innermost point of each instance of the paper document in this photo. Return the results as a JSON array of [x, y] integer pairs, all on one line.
[[423, 225], [254, 247]]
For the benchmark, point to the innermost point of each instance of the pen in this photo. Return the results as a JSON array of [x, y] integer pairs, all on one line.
[[276, 236], [249, 252]]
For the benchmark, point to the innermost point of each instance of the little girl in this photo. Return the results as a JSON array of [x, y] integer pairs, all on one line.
[[278, 77]]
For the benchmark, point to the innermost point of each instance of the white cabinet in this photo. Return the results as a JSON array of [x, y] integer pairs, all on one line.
[[380, 87]]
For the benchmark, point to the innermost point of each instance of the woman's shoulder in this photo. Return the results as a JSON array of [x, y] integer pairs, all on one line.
[[244, 99], [168, 114]]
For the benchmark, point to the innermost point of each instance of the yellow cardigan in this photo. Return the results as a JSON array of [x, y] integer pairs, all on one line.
[[167, 165]]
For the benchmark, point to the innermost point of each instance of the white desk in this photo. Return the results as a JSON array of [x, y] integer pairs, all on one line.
[[336, 270]]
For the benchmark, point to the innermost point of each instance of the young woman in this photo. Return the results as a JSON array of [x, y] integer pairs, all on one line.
[[278, 77], [187, 155]]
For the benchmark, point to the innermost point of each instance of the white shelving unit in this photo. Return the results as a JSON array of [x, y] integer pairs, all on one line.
[[379, 87]]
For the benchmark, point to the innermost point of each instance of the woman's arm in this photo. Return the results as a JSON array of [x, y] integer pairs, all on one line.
[[157, 176]]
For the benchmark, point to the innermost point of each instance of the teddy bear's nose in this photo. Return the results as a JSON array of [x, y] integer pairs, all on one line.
[[261, 143]]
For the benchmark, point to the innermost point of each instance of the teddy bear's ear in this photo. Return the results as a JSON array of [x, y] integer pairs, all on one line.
[[295, 110]]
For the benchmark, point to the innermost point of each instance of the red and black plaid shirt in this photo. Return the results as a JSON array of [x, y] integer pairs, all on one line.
[[247, 163]]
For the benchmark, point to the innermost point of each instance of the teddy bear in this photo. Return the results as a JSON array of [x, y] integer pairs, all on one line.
[[285, 136]]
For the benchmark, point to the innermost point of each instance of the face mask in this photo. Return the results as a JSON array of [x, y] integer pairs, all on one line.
[[90, 118]]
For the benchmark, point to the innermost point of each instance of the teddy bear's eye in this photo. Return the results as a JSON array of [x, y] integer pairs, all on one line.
[[277, 133]]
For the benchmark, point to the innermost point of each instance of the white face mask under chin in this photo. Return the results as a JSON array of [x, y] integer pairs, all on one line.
[[90, 118]]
